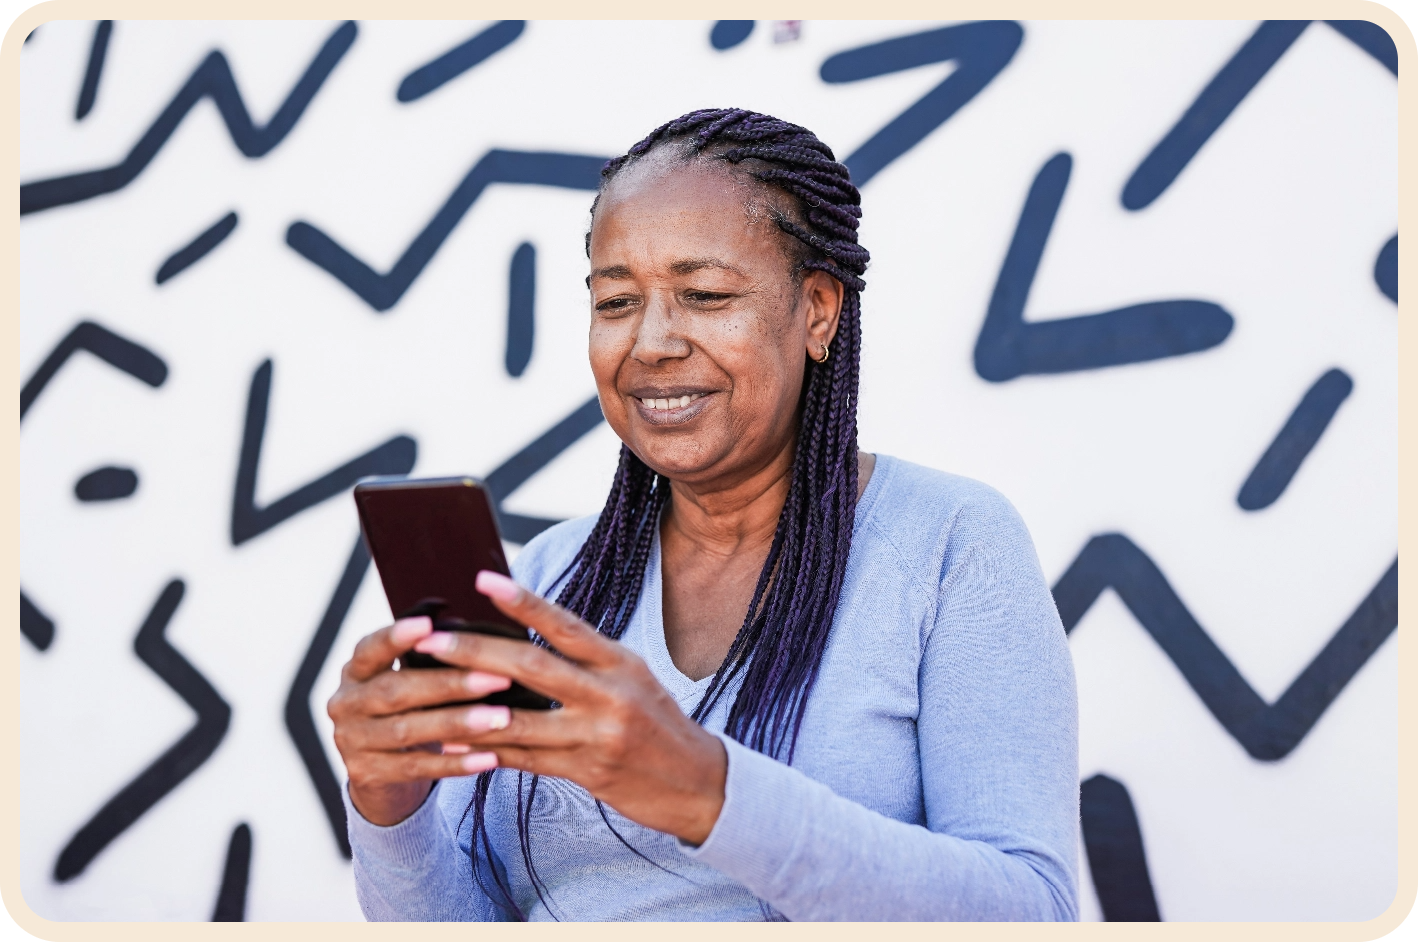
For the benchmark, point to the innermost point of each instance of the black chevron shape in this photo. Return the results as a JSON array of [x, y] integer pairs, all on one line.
[[212, 79], [174, 765], [503, 480], [381, 292], [1009, 346], [1266, 731], [980, 51], [300, 722], [396, 456], [515, 471], [118, 352]]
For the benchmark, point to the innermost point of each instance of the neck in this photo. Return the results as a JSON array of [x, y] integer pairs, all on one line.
[[726, 518]]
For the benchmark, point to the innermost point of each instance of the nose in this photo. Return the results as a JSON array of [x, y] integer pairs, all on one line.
[[660, 336]]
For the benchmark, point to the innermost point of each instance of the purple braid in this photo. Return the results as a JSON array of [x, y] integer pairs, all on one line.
[[779, 648]]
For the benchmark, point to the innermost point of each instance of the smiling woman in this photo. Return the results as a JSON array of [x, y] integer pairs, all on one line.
[[796, 681]]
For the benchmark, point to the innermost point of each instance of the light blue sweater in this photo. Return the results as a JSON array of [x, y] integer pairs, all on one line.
[[935, 777]]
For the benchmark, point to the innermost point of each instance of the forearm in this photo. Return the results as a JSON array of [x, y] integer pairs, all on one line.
[[814, 855], [415, 870]]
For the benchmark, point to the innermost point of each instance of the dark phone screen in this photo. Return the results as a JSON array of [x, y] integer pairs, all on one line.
[[429, 539]]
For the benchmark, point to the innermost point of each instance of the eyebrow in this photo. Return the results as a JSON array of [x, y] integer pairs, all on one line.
[[689, 266], [685, 266]]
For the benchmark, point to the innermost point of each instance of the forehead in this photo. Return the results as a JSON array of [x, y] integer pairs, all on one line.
[[661, 202]]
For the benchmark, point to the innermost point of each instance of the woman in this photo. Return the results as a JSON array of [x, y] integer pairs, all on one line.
[[797, 681]]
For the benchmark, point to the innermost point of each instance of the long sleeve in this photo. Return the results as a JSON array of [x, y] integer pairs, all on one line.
[[414, 871], [997, 733]]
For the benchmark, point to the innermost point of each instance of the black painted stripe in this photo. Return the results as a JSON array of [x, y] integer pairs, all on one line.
[[1295, 440], [459, 59], [1116, 859], [193, 251], [236, 876], [98, 51]]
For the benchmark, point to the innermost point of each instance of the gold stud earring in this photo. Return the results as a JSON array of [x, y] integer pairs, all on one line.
[[825, 354]]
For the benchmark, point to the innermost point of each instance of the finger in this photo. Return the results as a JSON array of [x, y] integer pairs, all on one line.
[[420, 727], [396, 692], [535, 667], [390, 768], [567, 633], [376, 652]]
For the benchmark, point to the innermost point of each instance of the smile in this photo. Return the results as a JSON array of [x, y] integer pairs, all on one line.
[[669, 405]]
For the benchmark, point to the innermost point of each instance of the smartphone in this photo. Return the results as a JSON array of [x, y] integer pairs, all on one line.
[[429, 538]]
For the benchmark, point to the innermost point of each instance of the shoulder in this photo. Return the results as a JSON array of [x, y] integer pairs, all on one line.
[[541, 563], [939, 519]]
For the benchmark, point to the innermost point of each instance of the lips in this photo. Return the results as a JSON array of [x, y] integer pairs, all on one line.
[[669, 407]]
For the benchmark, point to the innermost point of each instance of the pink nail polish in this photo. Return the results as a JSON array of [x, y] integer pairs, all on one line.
[[497, 586], [436, 643], [456, 749], [479, 683], [483, 717], [408, 629], [479, 762]]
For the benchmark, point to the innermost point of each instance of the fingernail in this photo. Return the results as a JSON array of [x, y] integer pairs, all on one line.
[[483, 717], [408, 629], [436, 643], [480, 683], [497, 586], [456, 748], [479, 761]]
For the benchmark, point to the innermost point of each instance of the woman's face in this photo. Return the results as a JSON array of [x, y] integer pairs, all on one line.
[[699, 332]]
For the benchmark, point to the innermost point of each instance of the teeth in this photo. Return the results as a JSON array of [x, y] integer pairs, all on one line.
[[663, 405]]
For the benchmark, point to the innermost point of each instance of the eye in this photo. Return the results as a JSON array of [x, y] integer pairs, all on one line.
[[706, 297], [614, 305]]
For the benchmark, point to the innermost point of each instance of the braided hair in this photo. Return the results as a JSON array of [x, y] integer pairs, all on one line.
[[777, 652]]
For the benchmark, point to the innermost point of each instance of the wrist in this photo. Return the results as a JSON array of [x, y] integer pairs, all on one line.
[[388, 805], [704, 812]]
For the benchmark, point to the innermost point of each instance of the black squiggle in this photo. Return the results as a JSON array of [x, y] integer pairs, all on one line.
[[174, 765], [300, 723], [212, 79], [396, 456], [381, 292], [1266, 731], [980, 51], [118, 352]]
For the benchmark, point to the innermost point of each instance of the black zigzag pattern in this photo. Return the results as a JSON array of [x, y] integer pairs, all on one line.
[[174, 765], [212, 79], [1266, 731]]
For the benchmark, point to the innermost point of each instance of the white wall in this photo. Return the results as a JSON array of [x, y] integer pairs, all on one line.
[[1278, 219]]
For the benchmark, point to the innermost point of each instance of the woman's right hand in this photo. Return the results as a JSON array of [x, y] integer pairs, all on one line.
[[386, 736]]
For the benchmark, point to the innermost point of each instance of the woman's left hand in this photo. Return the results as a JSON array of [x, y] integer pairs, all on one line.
[[619, 734]]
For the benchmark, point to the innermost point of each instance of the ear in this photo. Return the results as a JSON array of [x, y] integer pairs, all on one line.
[[822, 294]]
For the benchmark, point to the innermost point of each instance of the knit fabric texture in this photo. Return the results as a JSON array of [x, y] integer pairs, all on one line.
[[935, 776]]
